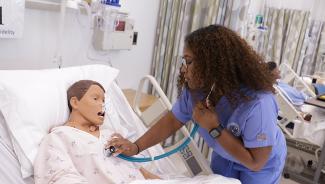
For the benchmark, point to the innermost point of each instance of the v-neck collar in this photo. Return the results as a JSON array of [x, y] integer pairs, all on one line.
[[84, 132]]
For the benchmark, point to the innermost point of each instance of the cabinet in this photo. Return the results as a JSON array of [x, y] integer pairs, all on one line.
[[146, 100]]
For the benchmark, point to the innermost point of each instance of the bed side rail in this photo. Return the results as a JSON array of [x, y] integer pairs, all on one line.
[[290, 77], [288, 113], [193, 159]]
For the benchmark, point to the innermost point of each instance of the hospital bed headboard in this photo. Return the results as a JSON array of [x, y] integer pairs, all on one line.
[[194, 161], [290, 77]]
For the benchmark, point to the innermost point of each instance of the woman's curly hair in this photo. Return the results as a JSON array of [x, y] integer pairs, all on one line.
[[223, 58]]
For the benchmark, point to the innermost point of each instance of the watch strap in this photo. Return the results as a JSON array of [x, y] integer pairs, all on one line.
[[218, 129]]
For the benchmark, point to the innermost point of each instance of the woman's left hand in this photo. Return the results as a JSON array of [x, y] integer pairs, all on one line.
[[205, 116], [122, 145]]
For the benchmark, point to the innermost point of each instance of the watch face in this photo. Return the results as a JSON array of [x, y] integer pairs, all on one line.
[[214, 133]]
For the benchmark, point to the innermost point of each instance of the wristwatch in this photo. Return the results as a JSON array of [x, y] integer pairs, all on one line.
[[216, 132]]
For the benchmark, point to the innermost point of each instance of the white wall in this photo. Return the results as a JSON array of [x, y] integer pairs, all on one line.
[[318, 12], [292, 4], [36, 49], [315, 6]]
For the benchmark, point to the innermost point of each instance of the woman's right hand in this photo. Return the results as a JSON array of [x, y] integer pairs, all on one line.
[[122, 145]]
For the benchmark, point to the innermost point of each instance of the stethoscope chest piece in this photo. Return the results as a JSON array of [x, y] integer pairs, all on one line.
[[109, 151]]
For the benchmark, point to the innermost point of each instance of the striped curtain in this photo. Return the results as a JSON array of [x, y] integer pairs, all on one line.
[[285, 36], [320, 56], [295, 39], [233, 14], [309, 54], [176, 19]]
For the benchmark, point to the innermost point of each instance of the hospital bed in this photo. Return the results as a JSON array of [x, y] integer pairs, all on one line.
[[33, 101], [303, 136], [290, 112]]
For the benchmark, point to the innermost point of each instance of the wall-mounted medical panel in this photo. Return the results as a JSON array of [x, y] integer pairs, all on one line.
[[118, 36], [113, 30]]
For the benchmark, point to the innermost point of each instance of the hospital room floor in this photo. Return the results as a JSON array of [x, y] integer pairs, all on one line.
[[287, 181]]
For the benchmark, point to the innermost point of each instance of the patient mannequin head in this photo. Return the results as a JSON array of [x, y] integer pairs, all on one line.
[[86, 99], [274, 70]]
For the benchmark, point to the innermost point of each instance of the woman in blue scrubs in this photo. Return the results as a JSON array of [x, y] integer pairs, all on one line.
[[226, 88]]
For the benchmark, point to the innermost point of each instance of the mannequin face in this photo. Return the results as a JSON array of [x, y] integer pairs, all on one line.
[[276, 73], [90, 105]]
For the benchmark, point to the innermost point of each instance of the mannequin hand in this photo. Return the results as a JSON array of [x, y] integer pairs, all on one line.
[[122, 145], [206, 117]]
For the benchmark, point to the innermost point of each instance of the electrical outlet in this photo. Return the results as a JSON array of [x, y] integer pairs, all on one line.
[[135, 38], [1, 15]]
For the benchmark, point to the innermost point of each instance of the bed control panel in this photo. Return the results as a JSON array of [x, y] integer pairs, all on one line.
[[194, 161], [192, 164]]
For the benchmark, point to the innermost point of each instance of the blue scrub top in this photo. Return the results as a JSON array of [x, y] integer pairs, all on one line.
[[254, 122]]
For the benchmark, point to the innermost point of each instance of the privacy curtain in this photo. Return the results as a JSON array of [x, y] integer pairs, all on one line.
[[310, 55], [320, 56], [176, 19], [285, 36], [292, 37]]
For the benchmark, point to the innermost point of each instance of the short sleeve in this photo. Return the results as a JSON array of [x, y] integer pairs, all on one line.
[[261, 126], [182, 109]]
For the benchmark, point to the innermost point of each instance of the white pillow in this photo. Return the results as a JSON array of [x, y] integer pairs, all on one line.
[[33, 101]]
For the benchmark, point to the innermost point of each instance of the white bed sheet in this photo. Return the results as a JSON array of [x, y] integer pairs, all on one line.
[[211, 179], [314, 131]]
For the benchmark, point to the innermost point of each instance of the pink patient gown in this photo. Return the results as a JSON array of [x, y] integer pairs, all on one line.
[[70, 156]]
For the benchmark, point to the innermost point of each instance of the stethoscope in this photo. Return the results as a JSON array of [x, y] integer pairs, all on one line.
[[111, 149]]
